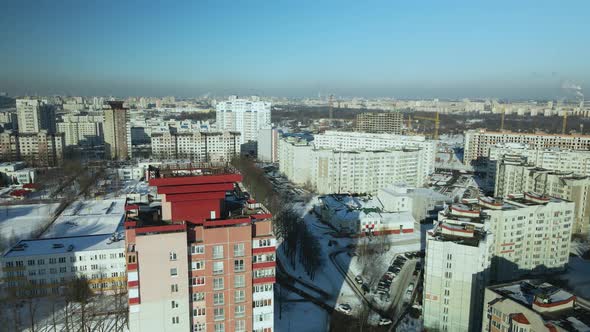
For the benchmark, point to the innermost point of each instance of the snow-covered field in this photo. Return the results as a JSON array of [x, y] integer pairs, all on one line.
[[20, 220]]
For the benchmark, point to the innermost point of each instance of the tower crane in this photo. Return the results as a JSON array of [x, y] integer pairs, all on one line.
[[436, 120]]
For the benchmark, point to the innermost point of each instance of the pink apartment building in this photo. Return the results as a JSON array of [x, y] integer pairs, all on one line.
[[207, 263]]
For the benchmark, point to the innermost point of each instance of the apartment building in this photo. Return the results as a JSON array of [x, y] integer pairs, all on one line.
[[515, 175], [82, 129], [388, 122], [533, 305], [37, 149], [246, 116], [478, 142], [268, 145], [117, 132], [35, 115], [341, 162], [201, 146], [213, 268], [488, 240]]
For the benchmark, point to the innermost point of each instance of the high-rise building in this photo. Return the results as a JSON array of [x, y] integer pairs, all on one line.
[[37, 149], [213, 268], [488, 240], [533, 305], [478, 142], [515, 175], [246, 116], [116, 132], [199, 146], [388, 122], [353, 162], [82, 129], [35, 115], [268, 145]]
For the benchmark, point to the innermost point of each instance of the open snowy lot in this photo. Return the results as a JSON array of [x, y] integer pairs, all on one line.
[[19, 221]]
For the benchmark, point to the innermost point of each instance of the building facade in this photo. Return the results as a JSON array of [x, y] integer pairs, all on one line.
[[82, 130], [34, 115], [478, 142], [246, 116], [117, 136], [37, 149], [388, 122], [212, 270], [201, 146], [268, 145]]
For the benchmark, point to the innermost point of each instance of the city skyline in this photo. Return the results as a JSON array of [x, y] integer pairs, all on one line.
[[427, 50]]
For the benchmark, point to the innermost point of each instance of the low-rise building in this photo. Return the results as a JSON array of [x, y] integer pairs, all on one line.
[[533, 305]]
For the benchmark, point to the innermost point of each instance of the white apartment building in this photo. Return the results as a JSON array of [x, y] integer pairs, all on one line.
[[268, 145], [515, 175], [82, 129], [34, 115], [478, 142], [488, 240], [246, 116], [197, 146], [350, 162], [17, 173], [46, 265]]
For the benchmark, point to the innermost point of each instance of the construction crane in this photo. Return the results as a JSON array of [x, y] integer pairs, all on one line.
[[436, 120]]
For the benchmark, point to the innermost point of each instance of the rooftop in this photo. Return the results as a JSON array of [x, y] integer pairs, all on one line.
[[62, 245]]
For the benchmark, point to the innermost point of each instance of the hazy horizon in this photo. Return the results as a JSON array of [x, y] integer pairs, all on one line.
[[450, 50]]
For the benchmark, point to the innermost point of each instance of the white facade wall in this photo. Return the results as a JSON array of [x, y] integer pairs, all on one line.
[[246, 116]]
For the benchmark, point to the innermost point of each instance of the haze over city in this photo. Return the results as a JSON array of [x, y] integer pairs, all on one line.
[[425, 49]]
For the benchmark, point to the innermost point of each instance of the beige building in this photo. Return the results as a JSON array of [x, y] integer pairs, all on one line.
[[117, 136], [197, 146], [388, 122], [515, 175], [533, 306], [478, 142], [35, 115], [37, 149], [82, 129]]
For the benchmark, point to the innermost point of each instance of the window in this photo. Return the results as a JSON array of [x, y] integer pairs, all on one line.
[[239, 281], [264, 273], [172, 256], [219, 327], [218, 314], [199, 312], [239, 249], [173, 272], [262, 288], [218, 299], [217, 252], [61, 260], [198, 297], [217, 283], [174, 304], [239, 311], [264, 243], [175, 320], [174, 288], [199, 327], [262, 303], [239, 265], [198, 281], [217, 267], [240, 326], [197, 250], [197, 265], [239, 295]]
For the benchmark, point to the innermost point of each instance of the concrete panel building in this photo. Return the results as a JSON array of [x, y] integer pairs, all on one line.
[[82, 129], [388, 122], [246, 116], [200, 146], [117, 133], [35, 115], [38, 149]]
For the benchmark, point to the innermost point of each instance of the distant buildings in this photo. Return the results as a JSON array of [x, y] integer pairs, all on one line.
[[213, 268], [34, 115], [515, 175], [533, 305], [388, 122], [200, 146], [117, 136], [485, 240], [246, 116], [85, 130], [479, 142], [350, 162], [41, 149]]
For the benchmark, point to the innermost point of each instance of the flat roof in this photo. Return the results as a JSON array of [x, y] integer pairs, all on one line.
[[90, 217], [63, 245]]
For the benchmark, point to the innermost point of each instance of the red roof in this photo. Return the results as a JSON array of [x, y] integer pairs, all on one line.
[[520, 318], [19, 192], [30, 186]]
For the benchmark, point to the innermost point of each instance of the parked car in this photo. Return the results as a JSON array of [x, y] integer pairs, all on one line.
[[358, 279], [384, 321], [411, 287], [344, 308], [365, 288]]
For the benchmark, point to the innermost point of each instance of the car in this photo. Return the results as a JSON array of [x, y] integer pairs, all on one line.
[[396, 270], [411, 287], [418, 266], [415, 273], [358, 279], [401, 258], [385, 321], [344, 308], [365, 288], [390, 275]]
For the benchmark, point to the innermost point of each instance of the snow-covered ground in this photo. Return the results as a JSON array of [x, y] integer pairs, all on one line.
[[20, 220], [577, 276], [409, 324], [292, 316]]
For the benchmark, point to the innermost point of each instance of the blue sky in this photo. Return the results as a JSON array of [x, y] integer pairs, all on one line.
[[293, 48]]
